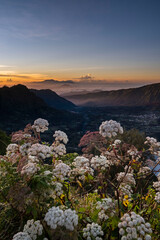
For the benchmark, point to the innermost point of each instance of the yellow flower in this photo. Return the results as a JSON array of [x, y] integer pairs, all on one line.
[[125, 200]]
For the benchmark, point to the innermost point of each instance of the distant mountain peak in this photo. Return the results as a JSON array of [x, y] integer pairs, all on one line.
[[53, 81]]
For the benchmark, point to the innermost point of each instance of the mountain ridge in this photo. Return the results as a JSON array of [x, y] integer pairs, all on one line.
[[52, 99], [148, 95]]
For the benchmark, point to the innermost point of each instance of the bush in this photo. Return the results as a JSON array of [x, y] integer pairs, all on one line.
[[48, 194]]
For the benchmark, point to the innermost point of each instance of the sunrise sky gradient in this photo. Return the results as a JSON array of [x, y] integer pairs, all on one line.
[[80, 40]]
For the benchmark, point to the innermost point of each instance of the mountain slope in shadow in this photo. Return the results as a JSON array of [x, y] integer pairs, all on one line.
[[148, 95]]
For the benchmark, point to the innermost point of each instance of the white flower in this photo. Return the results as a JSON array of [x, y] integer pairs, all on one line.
[[107, 208], [80, 162], [30, 169], [24, 148], [93, 230], [125, 189], [152, 142], [60, 136], [140, 229], [71, 219], [61, 170], [58, 188], [40, 125], [56, 217], [58, 150], [21, 236], [100, 162], [157, 197], [40, 151], [11, 149], [110, 128], [33, 228], [126, 178]]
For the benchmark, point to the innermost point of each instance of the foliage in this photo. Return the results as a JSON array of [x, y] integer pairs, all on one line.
[[66, 196], [4, 141]]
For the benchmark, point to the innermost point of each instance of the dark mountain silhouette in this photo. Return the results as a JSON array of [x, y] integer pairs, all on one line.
[[52, 99], [148, 95], [19, 106], [52, 81]]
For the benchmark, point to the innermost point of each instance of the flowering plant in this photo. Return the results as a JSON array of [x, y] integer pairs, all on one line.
[[48, 194]]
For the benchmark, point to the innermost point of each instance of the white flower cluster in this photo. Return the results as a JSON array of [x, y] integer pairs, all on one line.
[[157, 197], [58, 150], [58, 188], [126, 178], [55, 217], [40, 151], [21, 236], [107, 208], [81, 172], [81, 165], [152, 142], [116, 142], [71, 219], [93, 231], [125, 189], [110, 128], [99, 163], [11, 149], [40, 125], [144, 171], [30, 169], [61, 170], [80, 162], [24, 148], [133, 152], [133, 226], [60, 136], [33, 228], [33, 159], [156, 185]]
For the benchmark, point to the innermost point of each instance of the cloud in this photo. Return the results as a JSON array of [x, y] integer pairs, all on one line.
[[5, 66], [87, 77], [14, 75]]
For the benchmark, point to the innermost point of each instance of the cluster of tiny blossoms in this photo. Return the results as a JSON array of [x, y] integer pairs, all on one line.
[[133, 226], [127, 178], [156, 185], [152, 142], [99, 163], [61, 170], [24, 148], [110, 128], [55, 217], [60, 136], [58, 149], [40, 125], [11, 149], [125, 189], [106, 207], [30, 169], [81, 168], [21, 236], [33, 228], [80, 162], [93, 231], [40, 151]]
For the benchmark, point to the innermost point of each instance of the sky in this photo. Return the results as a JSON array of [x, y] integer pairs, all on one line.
[[87, 41]]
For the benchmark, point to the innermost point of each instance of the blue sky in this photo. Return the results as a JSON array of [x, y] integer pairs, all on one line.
[[112, 40]]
